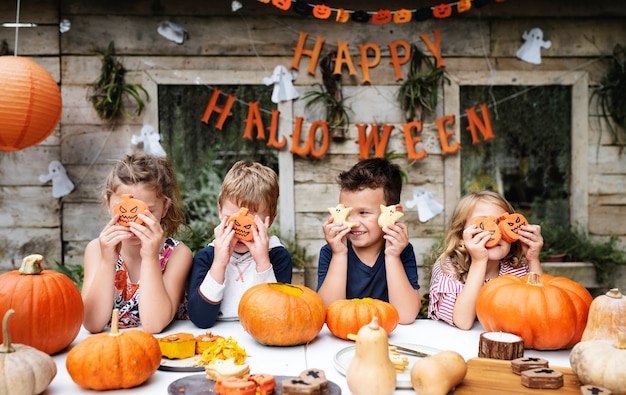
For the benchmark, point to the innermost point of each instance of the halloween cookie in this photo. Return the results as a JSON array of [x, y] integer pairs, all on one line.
[[316, 376], [340, 214], [128, 208], [510, 224], [265, 383], [223, 369], [300, 386], [235, 386], [489, 224], [243, 224], [389, 215]]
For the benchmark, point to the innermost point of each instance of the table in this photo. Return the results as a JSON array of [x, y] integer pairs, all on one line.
[[291, 361]]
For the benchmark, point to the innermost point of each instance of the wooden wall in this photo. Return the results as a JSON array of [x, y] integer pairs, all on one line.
[[259, 37]]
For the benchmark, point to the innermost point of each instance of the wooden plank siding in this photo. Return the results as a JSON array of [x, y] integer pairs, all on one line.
[[255, 40]]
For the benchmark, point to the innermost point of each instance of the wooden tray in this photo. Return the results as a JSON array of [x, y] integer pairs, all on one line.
[[494, 377]]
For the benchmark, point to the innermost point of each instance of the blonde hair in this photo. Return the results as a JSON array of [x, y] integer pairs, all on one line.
[[251, 185], [154, 173], [453, 243]]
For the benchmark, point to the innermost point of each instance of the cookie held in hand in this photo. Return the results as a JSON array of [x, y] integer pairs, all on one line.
[[128, 208], [243, 223], [389, 215], [340, 214]]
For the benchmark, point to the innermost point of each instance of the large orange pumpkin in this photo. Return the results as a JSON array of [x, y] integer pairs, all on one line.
[[277, 314], [114, 360], [49, 308], [548, 312], [347, 316]]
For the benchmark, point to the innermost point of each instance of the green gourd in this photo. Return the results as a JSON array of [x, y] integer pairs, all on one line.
[[371, 371]]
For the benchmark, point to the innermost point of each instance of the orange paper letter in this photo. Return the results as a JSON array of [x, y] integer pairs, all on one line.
[[343, 57], [410, 141], [254, 120], [445, 134], [366, 141], [212, 106], [474, 122], [314, 53], [396, 61], [365, 65], [435, 48]]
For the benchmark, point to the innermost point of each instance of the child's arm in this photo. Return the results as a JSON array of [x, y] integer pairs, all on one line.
[[203, 312], [333, 263], [402, 294], [282, 264], [98, 289], [532, 241]]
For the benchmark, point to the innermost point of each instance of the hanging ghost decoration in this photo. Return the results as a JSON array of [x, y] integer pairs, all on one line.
[[427, 206], [283, 86], [173, 32], [530, 51], [150, 139], [61, 184]]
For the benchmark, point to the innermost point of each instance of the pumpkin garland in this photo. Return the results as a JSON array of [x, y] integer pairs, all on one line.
[[548, 312], [49, 308], [347, 316]]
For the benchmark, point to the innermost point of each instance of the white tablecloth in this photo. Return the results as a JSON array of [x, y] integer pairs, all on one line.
[[291, 361]]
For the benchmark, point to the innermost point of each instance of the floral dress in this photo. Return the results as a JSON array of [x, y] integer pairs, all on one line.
[[127, 292]]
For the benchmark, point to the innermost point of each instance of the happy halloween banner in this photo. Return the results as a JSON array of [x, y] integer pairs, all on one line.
[[371, 139]]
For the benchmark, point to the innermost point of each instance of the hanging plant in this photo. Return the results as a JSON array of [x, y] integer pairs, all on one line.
[[108, 91], [331, 96], [611, 98], [419, 93]]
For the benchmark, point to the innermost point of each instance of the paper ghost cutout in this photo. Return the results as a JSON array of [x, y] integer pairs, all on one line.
[[173, 32], [530, 51], [150, 139], [427, 206], [61, 184], [236, 6], [283, 87]]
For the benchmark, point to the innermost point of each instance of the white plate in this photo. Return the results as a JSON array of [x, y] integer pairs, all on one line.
[[344, 357], [181, 365]]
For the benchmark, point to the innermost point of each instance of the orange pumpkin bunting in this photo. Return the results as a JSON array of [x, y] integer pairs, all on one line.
[[243, 224], [347, 316], [128, 208], [321, 11], [402, 16], [282, 4], [463, 5], [381, 17], [548, 312], [276, 314], [342, 16], [442, 11]]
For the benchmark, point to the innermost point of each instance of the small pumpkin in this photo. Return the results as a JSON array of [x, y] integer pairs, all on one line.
[[347, 316], [24, 370], [607, 316], [601, 363], [49, 308], [128, 208], [114, 360], [243, 222], [371, 371], [548, 312], [439, 373], [277, 314]]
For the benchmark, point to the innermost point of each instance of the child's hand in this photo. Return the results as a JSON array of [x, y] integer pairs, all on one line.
[[532, 241], [335, 235], [224, 241], [475, 240], [259, 245], [111, 238], [396, 237], [150, 233]]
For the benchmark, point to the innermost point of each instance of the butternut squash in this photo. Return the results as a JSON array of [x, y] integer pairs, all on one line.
[[371, 371], [437, 374]]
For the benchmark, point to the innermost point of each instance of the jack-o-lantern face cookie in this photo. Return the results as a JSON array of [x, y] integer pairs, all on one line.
[[243, 224], [489, 223], [510, 224], [128, 208]]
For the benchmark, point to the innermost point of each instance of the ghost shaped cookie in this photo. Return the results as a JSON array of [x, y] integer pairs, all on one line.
[[389, 215], [340, 214], [128, 208], [243, 224]]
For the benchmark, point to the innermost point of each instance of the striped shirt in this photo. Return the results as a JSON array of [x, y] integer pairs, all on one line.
[[445, 288]]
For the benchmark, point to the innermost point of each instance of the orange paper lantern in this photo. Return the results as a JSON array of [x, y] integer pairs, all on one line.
[[30, 103]]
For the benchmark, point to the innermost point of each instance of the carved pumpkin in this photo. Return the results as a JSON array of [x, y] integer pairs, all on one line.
[[601, 363], [49, 308], [243, 224], [321, 11], [24, 370], [607, 316], [548, 312], [381, 17], [489, 223], [442, 10], [402, 16], [128, 208], [347, 316], [276, 314], [114, 360]]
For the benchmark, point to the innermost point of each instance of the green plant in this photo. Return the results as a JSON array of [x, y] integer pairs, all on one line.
[[74, 272], [108, 91], [419, 92], [611, 98], [298, 252], [331, 97]]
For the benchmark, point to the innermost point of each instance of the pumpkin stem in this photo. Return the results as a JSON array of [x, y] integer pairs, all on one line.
[[614, 293], [6, 347], [31, 264], [621, 341], [373, 325], [533, 279], [115, 323]]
